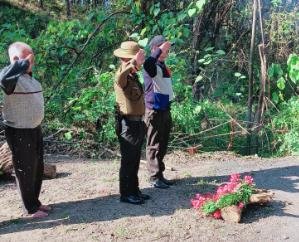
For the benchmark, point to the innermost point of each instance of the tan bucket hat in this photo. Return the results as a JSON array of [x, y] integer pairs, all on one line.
[[128, 49]]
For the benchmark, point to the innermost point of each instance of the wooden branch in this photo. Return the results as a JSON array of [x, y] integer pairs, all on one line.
[[261, 102], [56, 133], [231, 137]]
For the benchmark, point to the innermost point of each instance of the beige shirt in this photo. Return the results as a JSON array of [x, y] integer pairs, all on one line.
[[129, 91], [24, 108]]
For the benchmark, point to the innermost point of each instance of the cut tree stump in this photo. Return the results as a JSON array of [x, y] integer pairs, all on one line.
[[234, 213], [231, 214], [6, 166]]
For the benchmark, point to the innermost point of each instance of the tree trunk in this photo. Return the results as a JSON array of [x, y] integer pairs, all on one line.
[[68, 8], [250, 77], [41, 3]]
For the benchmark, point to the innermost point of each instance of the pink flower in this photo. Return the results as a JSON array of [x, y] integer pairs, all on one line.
[[195, 203], [197, 196], [241, 205], [231, 186], [248, 180], [217, 214], [221, 190], [199, 200], [215, 197], [235, 178]]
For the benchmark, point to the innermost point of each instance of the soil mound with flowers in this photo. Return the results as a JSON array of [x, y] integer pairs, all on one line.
[[86, 206]]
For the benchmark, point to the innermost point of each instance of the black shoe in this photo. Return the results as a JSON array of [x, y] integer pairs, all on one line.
[[158, 183], [167, 182], [136, 200], [143, 196]]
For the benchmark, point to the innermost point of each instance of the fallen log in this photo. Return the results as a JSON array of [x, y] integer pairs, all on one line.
[[6, 166]]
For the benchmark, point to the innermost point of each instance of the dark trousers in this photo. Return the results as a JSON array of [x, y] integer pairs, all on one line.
[[26, 146], [158, 125], [130, 135]]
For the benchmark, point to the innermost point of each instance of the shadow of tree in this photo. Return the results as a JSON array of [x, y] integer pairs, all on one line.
[[163, 202]]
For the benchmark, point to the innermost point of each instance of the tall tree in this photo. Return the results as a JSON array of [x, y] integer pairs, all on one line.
[[68, 8], [250, 75]]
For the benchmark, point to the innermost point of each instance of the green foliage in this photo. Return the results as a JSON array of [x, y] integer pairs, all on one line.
[[80, 94], [209, 207], [95, 104], [283, 75], [174, 26], [286, 128], [241, 195], [276, 3], [196, 8], [293, 68]]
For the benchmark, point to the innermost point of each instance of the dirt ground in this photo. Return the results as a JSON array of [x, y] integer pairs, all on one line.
[[86, 205]]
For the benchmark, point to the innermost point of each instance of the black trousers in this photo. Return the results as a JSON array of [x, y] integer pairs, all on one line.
[[158, 124], [26, 146], [130, 135]]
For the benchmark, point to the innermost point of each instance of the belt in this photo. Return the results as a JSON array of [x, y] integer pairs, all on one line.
[[133, 117]]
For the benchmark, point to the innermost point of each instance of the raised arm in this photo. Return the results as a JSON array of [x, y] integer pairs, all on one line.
[[150, 63], [10, 74], [122, 74], [131, 66]]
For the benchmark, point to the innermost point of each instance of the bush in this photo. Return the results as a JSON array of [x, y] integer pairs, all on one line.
[[285, 128]]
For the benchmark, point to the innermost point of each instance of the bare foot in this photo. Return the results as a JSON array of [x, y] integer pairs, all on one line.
[[45, 208], [39, 214]]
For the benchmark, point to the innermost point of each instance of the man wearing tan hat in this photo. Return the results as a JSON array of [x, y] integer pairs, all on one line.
[[130, 127]]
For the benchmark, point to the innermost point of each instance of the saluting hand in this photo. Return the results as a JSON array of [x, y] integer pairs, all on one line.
[[165, 47], [140, 57], [30, 58]]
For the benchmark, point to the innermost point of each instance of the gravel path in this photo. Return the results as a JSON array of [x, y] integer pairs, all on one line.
[[86, 205]]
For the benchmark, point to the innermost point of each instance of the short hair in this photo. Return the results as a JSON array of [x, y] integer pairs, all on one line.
[[157, 41], [17, 48]]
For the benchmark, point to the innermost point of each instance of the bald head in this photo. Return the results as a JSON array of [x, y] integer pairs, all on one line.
[[19, 51]]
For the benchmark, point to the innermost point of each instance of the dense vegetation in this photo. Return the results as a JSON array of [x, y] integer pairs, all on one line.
[[216, 74]]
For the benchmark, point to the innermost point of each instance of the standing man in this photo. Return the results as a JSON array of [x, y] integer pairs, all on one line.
[[158, 97], [130, 127], [23, 112]]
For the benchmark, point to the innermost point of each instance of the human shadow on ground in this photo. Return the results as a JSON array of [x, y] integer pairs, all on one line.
[[163, 202]]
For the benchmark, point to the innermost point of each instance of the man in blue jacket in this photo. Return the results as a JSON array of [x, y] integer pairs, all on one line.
[[158, 97]]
